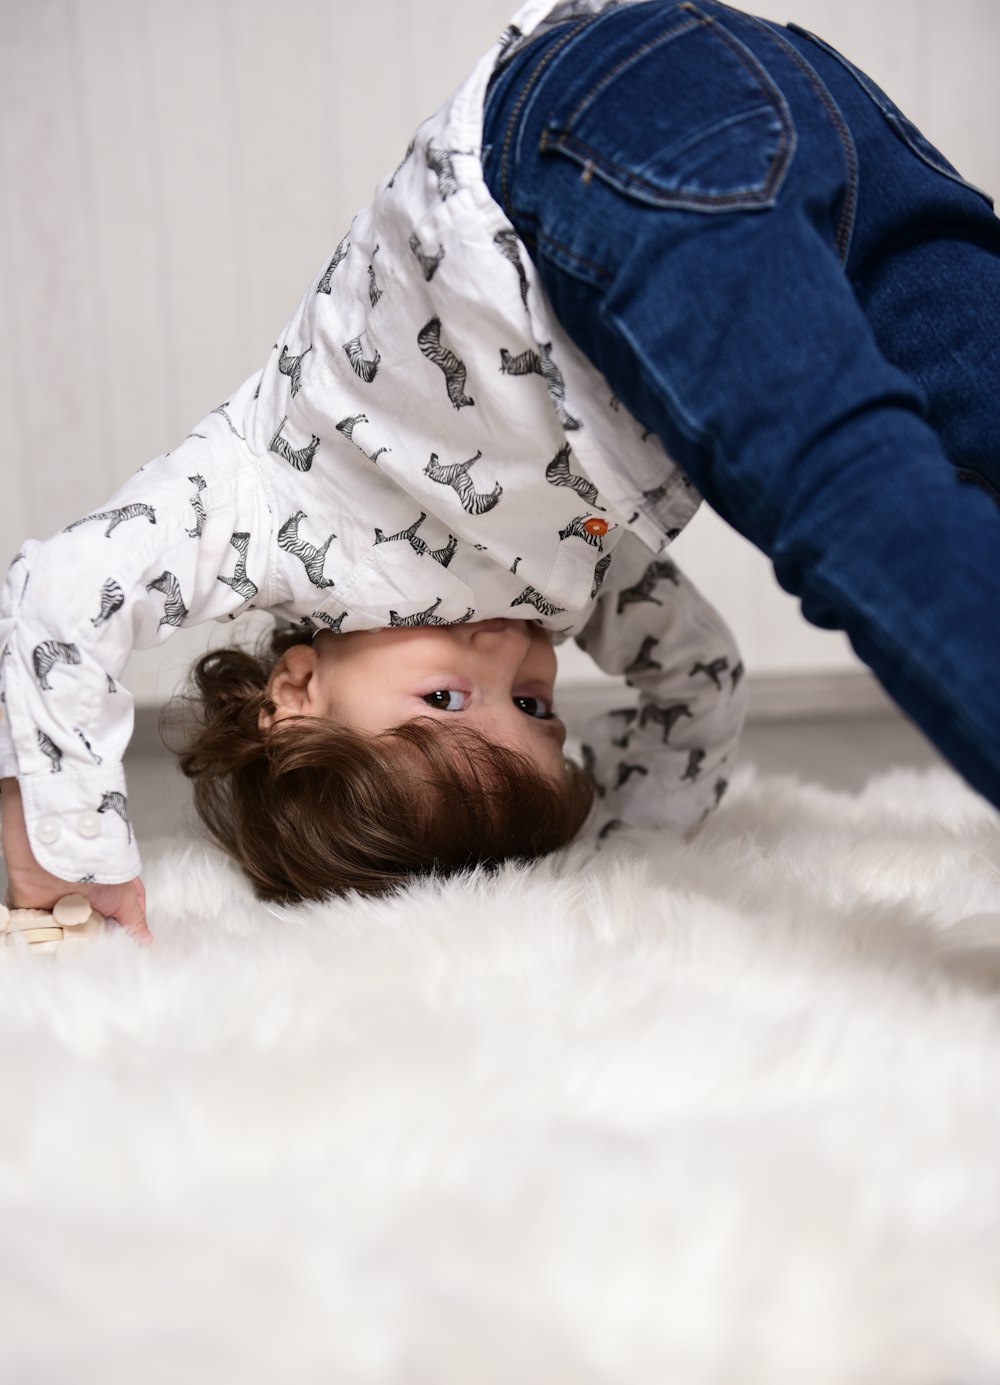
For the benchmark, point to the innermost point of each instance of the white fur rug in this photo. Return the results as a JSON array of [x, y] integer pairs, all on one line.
[[725, 1112]]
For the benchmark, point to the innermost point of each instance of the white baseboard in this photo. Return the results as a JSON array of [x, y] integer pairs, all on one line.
[[809, 696]]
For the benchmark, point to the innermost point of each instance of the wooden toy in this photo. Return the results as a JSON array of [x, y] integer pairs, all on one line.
[[69, 925]]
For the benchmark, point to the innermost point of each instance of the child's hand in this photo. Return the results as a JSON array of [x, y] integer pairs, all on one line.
[[32, 887]]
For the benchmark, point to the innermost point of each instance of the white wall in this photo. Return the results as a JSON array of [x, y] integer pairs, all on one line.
[[173, 171]]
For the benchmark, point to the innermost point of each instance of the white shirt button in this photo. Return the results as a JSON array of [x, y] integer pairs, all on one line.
[[88, 825], [47, 831]]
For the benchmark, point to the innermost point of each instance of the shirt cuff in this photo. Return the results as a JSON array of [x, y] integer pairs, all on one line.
[[78, 825]]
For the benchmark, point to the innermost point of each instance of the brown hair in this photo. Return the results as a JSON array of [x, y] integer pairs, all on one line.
[[309, 808]]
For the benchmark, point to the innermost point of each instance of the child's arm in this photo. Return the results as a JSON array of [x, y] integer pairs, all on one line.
[[29, 886], [666, 763], [157, 556]]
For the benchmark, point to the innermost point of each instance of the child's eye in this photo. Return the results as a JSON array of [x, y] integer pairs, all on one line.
[[446, 700], [534, 707]]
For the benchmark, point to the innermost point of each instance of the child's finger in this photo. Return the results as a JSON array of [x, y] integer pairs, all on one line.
[[130, 912]]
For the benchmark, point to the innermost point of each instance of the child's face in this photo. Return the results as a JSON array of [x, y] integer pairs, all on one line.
[[494, 676]]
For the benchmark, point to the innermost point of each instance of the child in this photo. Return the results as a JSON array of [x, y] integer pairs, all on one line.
[[773, 277], [395, 478], [404, 719]]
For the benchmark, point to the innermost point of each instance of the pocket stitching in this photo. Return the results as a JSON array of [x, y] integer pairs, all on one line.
[[762, 194], [667, 37], [757, 193]]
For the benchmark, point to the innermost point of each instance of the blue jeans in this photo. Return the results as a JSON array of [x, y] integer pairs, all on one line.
[[778, 274]]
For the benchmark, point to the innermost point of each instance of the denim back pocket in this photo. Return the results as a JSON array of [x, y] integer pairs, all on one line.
[[685, 116], [898, 122]]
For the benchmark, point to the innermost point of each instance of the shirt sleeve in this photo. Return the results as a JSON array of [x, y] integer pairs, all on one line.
[[663, 762], [187, 539]]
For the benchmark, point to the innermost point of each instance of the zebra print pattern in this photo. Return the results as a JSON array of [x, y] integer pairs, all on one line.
[[531, 597], [553, 378], [659, 570], [374, 292], [347, 427], [222, 411], [429, 341], [292, 367], [398, 622], [642, 663], [174, 611], [575, 530], [329, 621], [241, 584], [45, 656], [440, 555], [50, 750], [97, 759], [664, 717], [713, 670], [557, 473], [112, 600], [540, 362], [338, 255], [627, 715], [301, 458], [600, 572], [527, 363], [625, 771], [311, 557], [199, 484], [428, 263], [693, 771], [365, 368], [508, 38], [473, 502], [439, 161], [115, 802], [115, 517], [507, 243], [654, 497]]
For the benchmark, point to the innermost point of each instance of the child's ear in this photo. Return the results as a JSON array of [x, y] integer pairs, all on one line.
[[290, 688]]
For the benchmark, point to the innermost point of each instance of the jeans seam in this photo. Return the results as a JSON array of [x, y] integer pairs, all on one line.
[[845, 225], [523, 95], [759, 196], [633, 55], [735, 197], [754, 504], [787, 147], [572, 254]]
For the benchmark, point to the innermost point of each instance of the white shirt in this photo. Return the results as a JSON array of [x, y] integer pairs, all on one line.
[[423, 444]]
